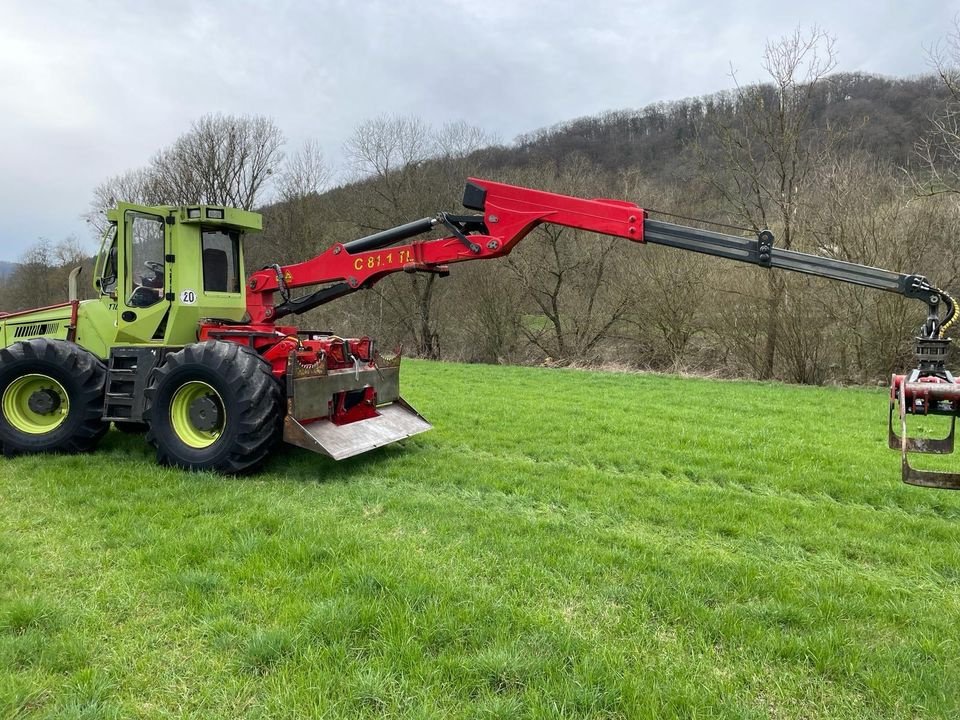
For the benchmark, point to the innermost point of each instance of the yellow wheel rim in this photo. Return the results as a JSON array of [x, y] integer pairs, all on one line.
[[22, 417], [181, 422]]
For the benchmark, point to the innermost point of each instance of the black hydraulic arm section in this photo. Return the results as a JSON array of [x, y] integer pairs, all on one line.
[[390, 236], [761, 251]]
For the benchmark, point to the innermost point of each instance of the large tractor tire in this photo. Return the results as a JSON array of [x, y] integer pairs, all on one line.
[[213, 406], [51, 397]]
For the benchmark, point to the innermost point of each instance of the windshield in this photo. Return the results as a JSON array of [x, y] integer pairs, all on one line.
[[108, 275]]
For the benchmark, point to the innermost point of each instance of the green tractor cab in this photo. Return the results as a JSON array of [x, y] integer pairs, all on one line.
[[168, 347], [67, 370]]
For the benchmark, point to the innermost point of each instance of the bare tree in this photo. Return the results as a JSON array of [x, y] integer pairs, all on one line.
[[458, 140], [860, 214], [576, 281], [295, 226], [767, 150], [223, 160], [401, 163], [134, 186], [668, 288], [387, 144], [939, 150], [40, 277], [386, 152], [489, 308], [306, 173]]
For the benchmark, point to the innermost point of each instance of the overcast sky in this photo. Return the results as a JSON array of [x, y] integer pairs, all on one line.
[[91, 89]]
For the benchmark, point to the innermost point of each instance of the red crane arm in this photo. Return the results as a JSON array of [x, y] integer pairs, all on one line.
[[509, 214]]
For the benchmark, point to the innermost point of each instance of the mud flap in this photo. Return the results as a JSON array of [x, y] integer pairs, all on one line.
[[395, 421]]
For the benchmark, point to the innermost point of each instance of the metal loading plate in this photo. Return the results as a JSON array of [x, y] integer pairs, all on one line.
[[396, 421]]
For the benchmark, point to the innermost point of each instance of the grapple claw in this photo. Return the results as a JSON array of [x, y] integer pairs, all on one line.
[[912, 397], [934, 446], [930, 478]]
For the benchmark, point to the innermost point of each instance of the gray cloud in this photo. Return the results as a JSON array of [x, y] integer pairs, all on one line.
[[89, 90]]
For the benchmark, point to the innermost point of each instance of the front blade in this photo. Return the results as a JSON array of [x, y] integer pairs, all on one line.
[[395, 421]]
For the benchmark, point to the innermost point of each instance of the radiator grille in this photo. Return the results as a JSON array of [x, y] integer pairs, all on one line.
[[48, 328]]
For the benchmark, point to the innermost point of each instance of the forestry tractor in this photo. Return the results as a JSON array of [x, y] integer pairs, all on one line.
[[181, 344]]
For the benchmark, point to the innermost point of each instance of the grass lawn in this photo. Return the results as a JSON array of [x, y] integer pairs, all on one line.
[[563, 544]]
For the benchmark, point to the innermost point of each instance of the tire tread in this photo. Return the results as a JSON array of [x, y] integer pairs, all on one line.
[[83, 367], [258, 397]]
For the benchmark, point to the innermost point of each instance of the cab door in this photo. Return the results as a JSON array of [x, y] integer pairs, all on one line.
[[143, 303]]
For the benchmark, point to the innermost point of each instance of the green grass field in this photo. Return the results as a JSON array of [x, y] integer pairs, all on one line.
[[563, 544]]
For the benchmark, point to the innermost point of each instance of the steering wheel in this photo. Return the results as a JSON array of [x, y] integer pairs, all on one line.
[[157, 267]]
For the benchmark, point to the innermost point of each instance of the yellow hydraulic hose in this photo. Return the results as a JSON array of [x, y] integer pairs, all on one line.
[[952, 318]]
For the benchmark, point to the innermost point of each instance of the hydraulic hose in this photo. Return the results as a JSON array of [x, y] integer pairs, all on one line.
[[951, 317]]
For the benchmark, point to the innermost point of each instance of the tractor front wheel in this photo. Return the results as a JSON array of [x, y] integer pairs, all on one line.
[[51, 397], [213, 406]]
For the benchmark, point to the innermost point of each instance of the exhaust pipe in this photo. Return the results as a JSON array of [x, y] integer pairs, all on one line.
[[73, 287]]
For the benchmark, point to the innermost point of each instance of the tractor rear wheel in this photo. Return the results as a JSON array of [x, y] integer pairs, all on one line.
[[51, 397], [213, 406]]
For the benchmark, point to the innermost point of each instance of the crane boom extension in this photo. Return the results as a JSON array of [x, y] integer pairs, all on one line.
[[509, 213], [512, 212], [749, 251]]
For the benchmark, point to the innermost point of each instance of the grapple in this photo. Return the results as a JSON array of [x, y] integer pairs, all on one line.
[[928, 390]]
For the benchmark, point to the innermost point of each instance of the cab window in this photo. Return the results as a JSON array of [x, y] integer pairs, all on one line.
[[145, 286], [221, 261], [108, 275]]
